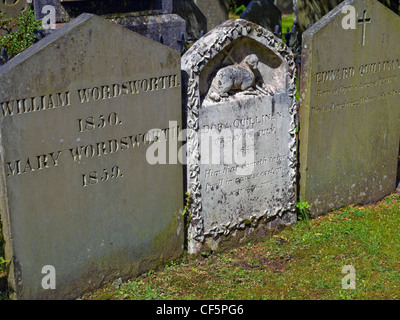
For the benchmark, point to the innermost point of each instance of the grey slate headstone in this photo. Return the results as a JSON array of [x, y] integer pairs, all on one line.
[[308, 12], [152, 19], [216, 11], [263, 13], [349, 108], [245, 186], [80, 111]]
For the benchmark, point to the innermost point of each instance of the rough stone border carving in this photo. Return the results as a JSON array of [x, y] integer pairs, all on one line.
[[193, 62]]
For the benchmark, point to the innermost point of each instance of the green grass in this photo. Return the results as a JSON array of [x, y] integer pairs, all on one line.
[[299, 263]]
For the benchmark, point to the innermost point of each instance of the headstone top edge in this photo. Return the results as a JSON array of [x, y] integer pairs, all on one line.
[[335, 12], [60, 32], [327, 18], [33, 49]]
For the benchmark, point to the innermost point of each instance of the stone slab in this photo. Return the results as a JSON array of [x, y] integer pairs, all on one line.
[[152, 19], [79, 111], [349, 114], [251, 181], [196, 21]]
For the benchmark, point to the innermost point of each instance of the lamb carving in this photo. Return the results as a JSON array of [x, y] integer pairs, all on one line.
[[234, 77]]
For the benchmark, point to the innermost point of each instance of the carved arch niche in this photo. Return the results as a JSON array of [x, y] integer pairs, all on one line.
[[270, 74]]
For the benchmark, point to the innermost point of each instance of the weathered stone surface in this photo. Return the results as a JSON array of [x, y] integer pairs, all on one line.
[[79, 111], [241, 146], [349, 114], [216, 11], [168, 29], [67, 10], [263, 13]]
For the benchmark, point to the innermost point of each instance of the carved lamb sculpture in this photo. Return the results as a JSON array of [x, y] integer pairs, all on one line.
[[235, 77]]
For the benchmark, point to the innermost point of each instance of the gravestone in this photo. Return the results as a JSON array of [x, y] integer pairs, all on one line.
[[349, 114], [241, 145], [265, 14], [216, 11], [196, 21], [152, 19], [285, 6], [80, 113]]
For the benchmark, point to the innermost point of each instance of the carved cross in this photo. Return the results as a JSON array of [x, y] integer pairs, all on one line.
[[228, 56], [364, 22]]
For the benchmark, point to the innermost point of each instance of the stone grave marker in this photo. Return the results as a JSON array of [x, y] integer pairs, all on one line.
[[196, 21], [265, 14], [80, 113], [241, 146], [349, 113], [151, 18], [216, 11]]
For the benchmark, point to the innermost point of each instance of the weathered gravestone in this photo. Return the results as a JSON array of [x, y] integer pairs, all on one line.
[[151, 18], [80, 111], [265, 14], [308, 12], [349, 114], [196, 21], [285, 6], [241, 146], [216, 11]]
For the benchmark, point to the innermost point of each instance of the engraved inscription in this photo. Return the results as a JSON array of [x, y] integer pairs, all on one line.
[[373, 85], [88, 124], [94, 177], [33, 164]]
